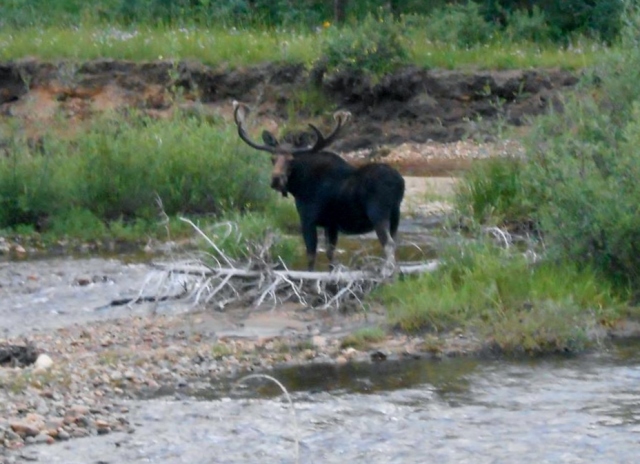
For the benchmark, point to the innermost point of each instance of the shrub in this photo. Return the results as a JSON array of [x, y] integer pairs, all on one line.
[[375, 46], [120, 167], [523, 25], [493, 192], [461, 24], [565, 18], [31, 186], [579, 180], [584, 166]]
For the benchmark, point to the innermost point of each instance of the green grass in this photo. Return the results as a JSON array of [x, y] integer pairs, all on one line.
[[234, 48], [123, 167], [503, 55], [129, 178], [492, 193], [513, 305], [362, 339], [210, 46], [244, 236]]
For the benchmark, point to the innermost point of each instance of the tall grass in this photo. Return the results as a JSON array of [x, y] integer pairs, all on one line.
[[120, 167], [517, 306]]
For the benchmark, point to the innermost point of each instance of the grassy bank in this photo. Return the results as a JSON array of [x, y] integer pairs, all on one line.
[[508, 302], [219, 45]]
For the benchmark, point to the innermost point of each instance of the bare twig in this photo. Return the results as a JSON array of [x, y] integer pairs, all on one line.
[[293, 409]]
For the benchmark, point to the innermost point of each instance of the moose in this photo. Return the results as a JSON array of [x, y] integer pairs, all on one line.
[[331, 193]]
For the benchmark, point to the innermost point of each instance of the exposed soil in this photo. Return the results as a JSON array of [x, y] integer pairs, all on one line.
[[414, 106]]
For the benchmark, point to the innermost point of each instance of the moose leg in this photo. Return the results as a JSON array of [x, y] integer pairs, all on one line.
[[394, 222], [387, 242], [310, 235], [331, 237]]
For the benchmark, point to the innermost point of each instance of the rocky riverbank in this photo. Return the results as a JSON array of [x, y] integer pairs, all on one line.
[[98, 365]]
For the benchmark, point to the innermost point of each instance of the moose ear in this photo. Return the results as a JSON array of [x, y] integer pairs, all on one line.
[[269, 139]]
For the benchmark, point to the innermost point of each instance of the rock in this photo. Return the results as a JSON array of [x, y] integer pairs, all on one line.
[[79, 410], [377, 356], [43, 437], [80, 433], [11, 435], [24, 428], [63, 434], [319, 341], [350, 352], [340, 360], [82, 281], [19, 249], [43, 363], [101, 424]]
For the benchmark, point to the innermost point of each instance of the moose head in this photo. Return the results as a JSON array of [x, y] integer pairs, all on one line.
[[282, 154]]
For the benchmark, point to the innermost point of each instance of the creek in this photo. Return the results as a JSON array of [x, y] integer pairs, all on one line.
[[571, 410]]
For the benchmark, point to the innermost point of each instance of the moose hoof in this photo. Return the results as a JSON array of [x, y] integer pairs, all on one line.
[[388, 269]]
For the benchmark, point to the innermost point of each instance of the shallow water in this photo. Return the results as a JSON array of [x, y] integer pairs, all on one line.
[[580, 410]]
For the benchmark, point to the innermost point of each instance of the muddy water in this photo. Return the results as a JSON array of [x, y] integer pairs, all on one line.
[[584, 410]]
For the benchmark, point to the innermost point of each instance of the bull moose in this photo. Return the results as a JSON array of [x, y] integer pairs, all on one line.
[[329, 192]]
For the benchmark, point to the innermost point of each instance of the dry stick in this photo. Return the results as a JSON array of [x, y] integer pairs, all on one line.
[[500, 234], [203, 286], [293, 409], [209, 241]]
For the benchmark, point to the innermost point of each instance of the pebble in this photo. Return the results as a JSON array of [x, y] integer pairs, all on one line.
[[43, 363]]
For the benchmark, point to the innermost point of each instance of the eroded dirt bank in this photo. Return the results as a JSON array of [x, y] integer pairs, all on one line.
[[412, 105]]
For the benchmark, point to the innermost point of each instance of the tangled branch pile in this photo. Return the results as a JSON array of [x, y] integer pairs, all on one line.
[[217, 280]]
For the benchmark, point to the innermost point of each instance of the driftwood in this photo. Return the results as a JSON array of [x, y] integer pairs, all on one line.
[[215, 279], [220, 286]]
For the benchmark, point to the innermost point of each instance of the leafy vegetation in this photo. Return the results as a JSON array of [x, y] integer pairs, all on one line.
[[492, 194], [500, 297], [563, 18], [578, 183], [374, 46], [128, 177], [120, 167]]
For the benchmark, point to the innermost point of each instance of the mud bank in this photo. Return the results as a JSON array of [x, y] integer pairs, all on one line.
[[412, 105]]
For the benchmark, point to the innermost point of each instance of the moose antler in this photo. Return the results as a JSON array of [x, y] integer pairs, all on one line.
[[240, 111], [321, 141]]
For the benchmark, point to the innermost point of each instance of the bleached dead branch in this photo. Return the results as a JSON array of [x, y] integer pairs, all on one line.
[[219, 280]]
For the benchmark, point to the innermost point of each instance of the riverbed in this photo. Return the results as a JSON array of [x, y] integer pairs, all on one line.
[[569, 410]]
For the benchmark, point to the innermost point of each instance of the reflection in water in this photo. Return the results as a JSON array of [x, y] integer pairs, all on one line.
[[574, 410], [447, 378]]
